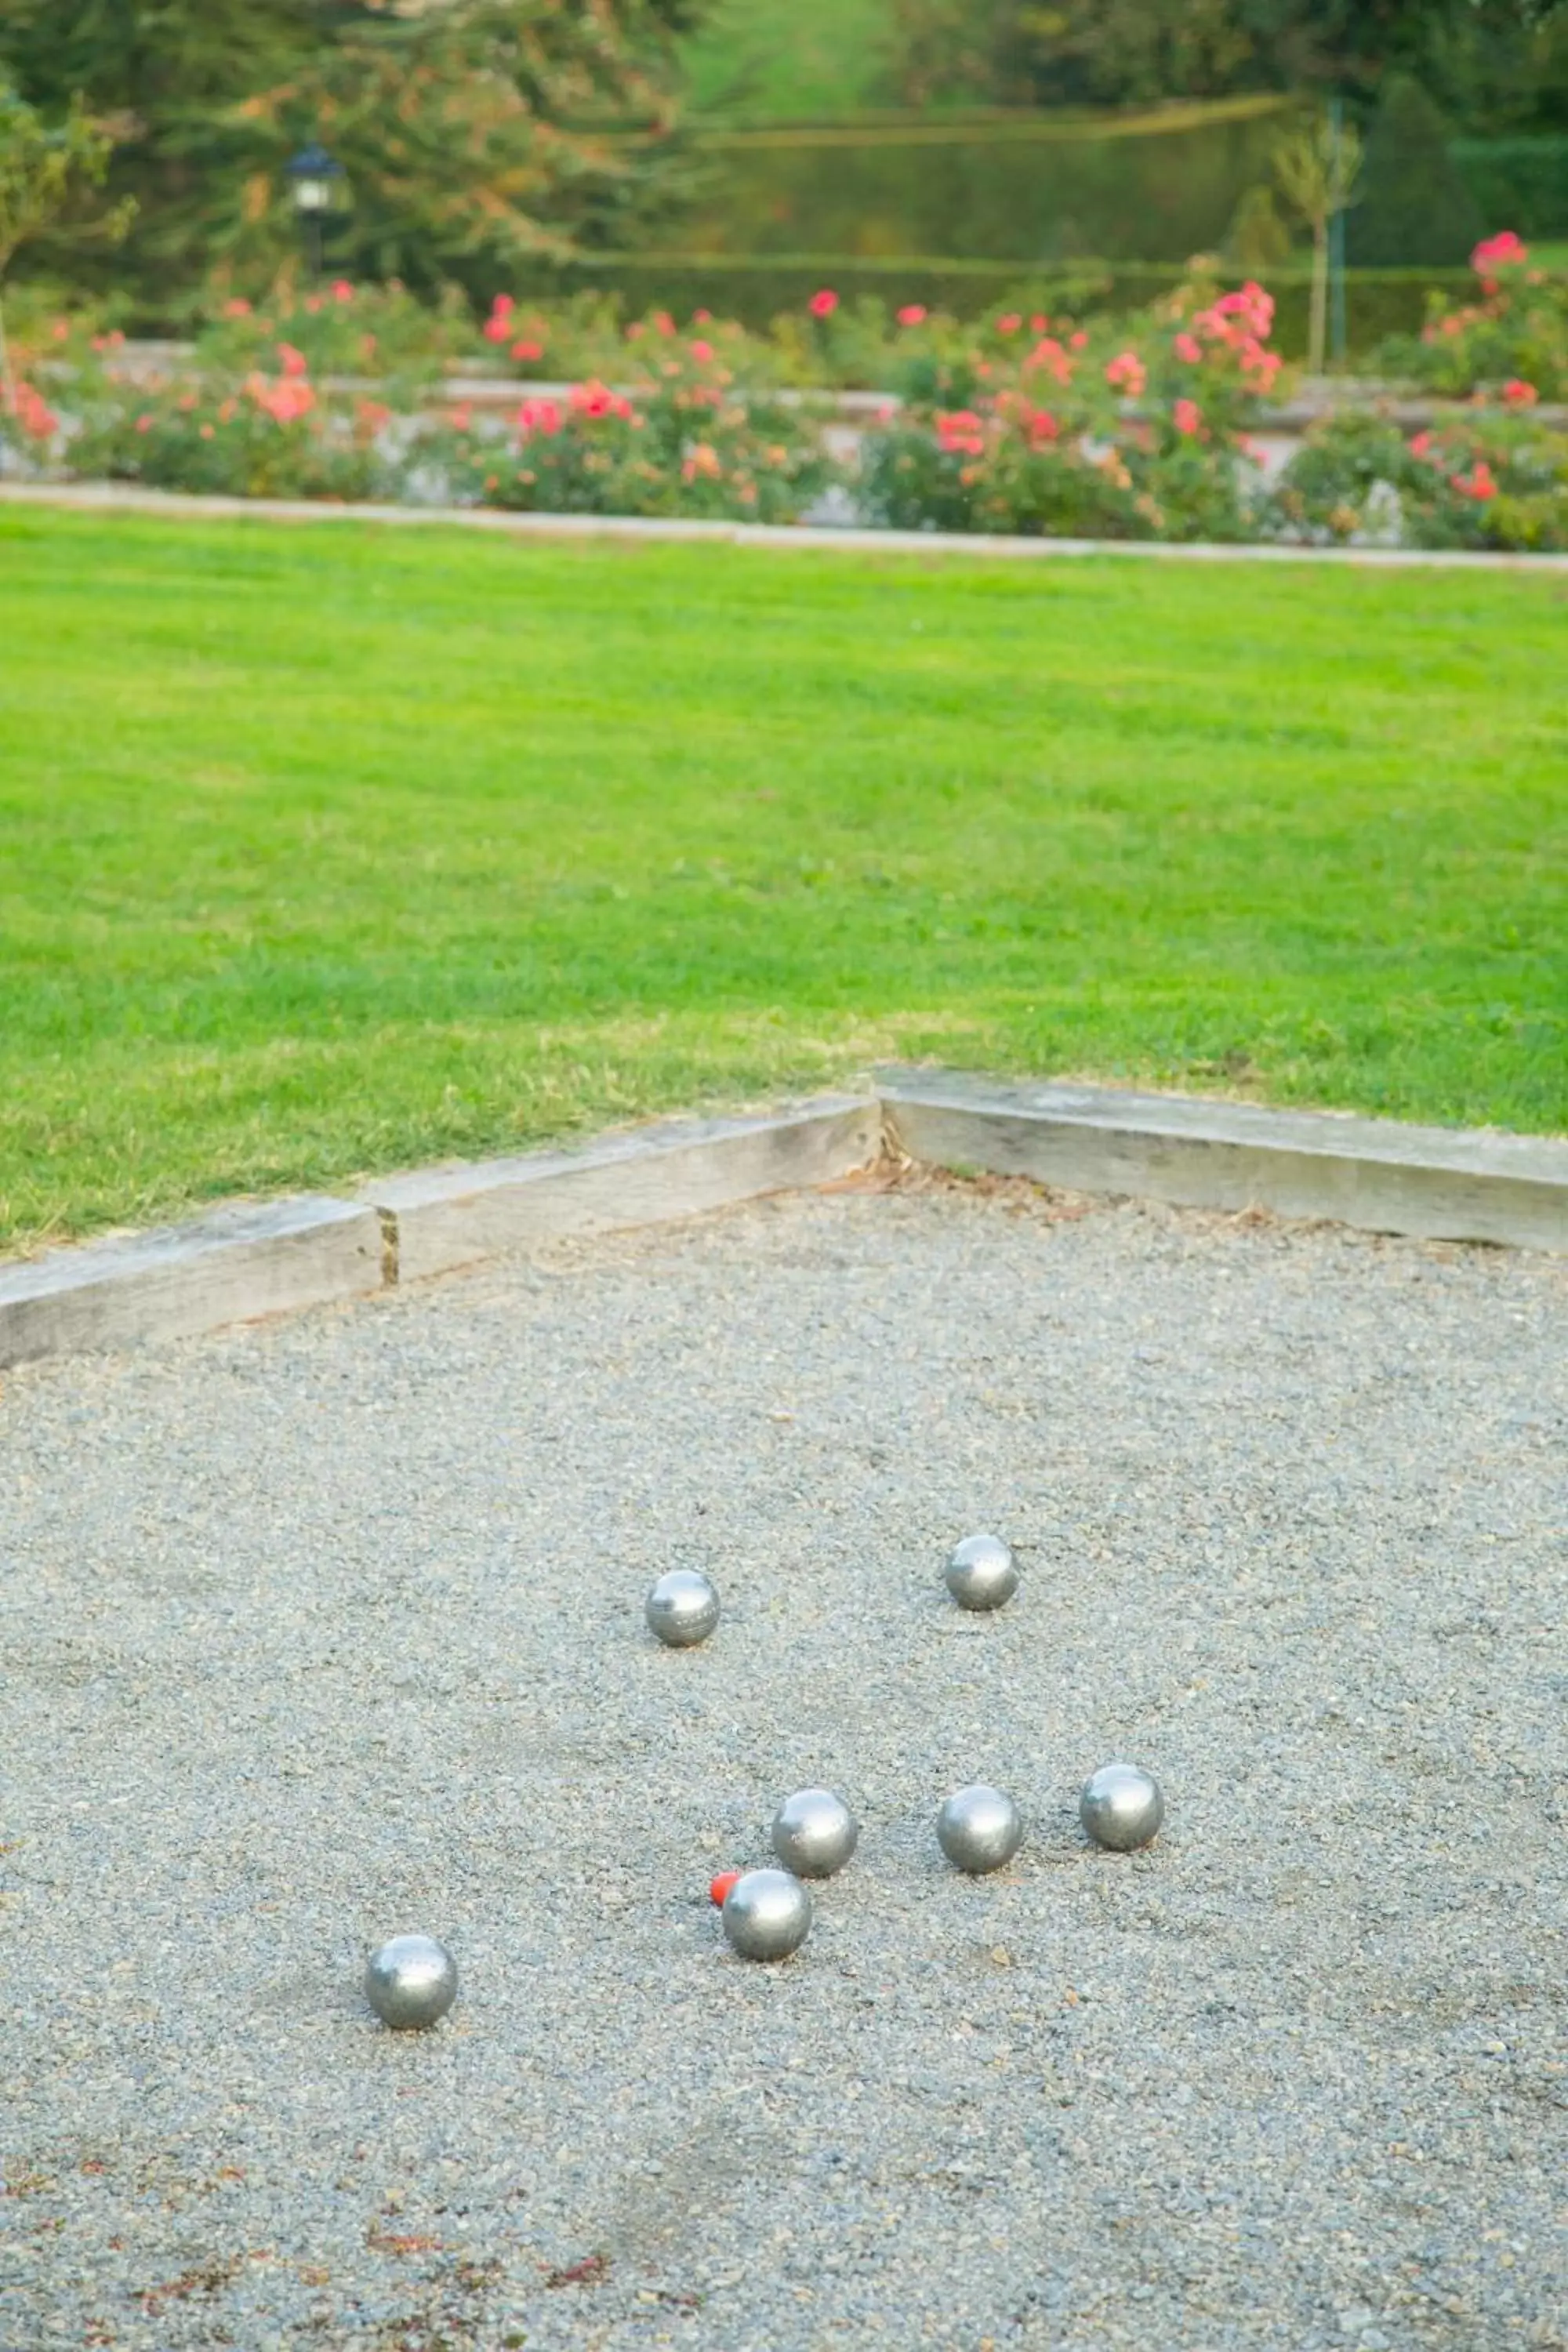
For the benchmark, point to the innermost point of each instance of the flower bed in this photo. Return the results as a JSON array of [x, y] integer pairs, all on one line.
[[1035, 422]]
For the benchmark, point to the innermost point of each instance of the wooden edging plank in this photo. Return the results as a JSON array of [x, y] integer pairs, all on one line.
[[237, 1263], [243, 1262], [1437, 1183], [443, 1217], [246, 1261]]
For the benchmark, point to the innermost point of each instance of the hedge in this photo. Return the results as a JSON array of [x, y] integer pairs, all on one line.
[[755, 288], [1035, 194]]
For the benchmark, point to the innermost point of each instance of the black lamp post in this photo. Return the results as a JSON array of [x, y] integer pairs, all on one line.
[[311, 175]]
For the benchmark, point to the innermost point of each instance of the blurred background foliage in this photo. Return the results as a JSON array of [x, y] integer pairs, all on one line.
[[543, 143]]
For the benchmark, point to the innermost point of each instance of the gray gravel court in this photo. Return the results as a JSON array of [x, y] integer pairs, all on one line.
[[329, 1628]]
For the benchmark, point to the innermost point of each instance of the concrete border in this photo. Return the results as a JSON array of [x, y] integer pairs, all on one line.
[[101, 498], [246, 1261], [1436, 1183]]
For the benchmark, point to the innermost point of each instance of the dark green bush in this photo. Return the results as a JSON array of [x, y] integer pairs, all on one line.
[[1519, 183]]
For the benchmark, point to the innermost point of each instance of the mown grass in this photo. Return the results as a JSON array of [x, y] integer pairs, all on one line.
[[789, 60], [323, 850]]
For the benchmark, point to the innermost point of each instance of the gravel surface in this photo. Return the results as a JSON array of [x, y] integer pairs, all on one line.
[[331, 1628]]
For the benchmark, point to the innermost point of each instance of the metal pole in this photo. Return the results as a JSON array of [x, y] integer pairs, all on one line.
[[1337, 335]]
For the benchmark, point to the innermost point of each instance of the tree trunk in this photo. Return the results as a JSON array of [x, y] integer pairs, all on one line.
[[1318, 335]]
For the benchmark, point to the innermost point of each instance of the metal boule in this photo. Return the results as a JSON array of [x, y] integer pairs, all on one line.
[[682, 1608], [979, 1829], [767, 1914], [411, 1982], [982, 1572], [815, 1832], [1121, 1807]]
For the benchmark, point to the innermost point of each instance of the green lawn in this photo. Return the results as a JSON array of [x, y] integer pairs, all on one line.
[[326, 849], [789, 60]]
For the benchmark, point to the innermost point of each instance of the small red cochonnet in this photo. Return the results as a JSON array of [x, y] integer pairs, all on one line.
[[720, 1887]]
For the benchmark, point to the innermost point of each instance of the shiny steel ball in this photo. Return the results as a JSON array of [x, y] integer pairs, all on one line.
[[682, 1608], [411, 1982], [979, 1829], [767, 1914], [815, 1832], [982, 1572], [1121, 1807]]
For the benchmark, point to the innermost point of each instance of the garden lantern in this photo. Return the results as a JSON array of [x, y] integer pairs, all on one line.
[[311, 175]]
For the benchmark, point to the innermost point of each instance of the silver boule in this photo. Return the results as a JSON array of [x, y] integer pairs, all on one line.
[[411, 1982], [815, 1832], [682, 1608], [767, 1914], [979, 1829], [1121, 1807], [982, 1572]]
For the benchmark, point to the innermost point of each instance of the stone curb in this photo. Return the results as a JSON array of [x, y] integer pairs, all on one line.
[[1432, 1182], [240, 1263], [118, 497]]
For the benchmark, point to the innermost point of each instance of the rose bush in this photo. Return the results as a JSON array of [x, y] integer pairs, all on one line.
[[682, 438], [341, 329], [1485, 480], [1511, 342], [270, 433], [1084, 432]]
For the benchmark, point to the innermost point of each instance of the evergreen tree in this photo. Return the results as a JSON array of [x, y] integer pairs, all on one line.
[[1129, 52], [466, 128], [1413, 206]]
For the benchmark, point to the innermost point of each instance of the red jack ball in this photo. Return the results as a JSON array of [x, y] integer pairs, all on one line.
[[720, 1886]]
